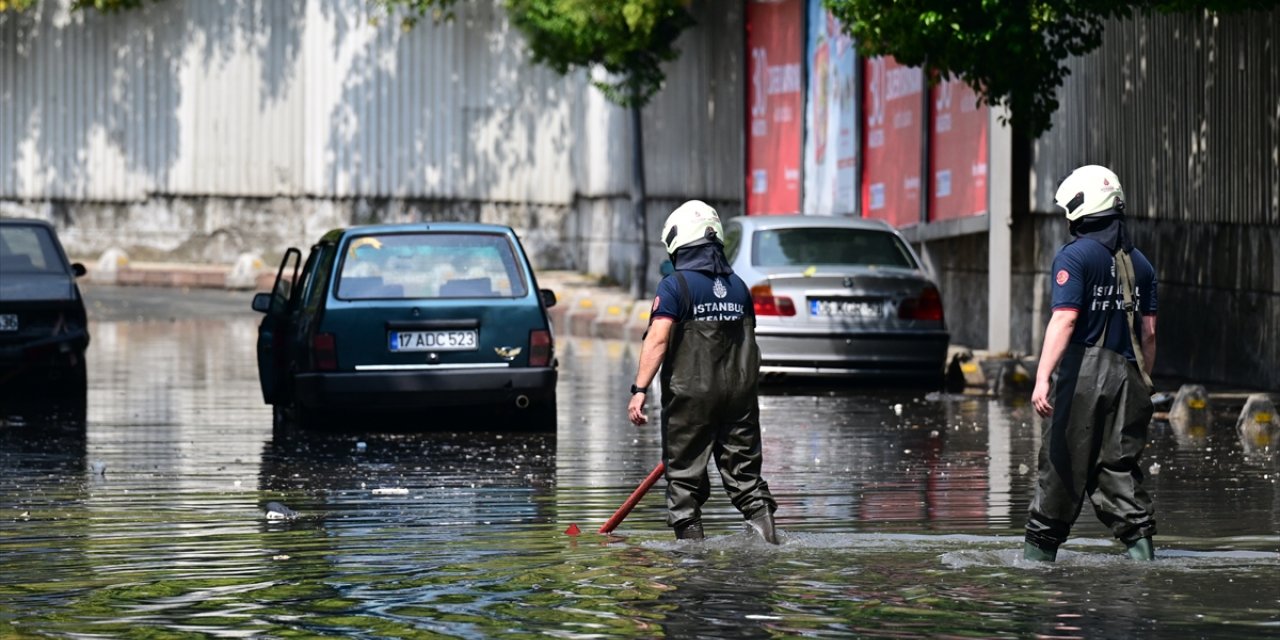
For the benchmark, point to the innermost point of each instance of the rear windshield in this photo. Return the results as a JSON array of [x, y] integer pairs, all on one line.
[[803, 247], [28, 249], [430, 265]]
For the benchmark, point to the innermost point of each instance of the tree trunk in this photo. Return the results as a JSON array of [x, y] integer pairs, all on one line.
[[640, 274]]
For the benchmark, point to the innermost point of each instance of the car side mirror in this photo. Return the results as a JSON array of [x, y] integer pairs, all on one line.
[[548, 297], [78, 269], [262, 302]]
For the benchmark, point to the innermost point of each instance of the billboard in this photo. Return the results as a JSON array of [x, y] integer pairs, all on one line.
[[958, 152], [892, 108], [831, 131], [774, 105]]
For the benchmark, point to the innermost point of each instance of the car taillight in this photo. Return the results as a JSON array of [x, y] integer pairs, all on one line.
[[541, 348], [324, 351], [767, 304], [927, 307]]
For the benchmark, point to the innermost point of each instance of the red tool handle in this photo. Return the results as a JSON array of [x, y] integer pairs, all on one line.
[[634, 499]]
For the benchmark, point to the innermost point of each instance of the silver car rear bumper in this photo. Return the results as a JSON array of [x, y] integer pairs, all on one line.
[[860, 354]]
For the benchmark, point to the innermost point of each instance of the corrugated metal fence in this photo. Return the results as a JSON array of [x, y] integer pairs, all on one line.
[[241, 98], [1185, 109]]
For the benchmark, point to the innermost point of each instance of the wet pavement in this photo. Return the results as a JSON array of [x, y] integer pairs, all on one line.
[[141, 513]]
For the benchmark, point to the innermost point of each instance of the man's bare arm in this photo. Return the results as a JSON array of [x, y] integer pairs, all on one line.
[[1061, 325]]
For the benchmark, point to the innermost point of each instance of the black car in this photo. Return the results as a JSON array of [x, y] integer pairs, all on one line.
[[43, 329]]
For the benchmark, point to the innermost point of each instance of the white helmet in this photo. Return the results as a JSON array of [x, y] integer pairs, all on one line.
[[1090, 190], [692, 223]]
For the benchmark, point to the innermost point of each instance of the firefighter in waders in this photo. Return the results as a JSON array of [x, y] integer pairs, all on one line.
[[1101, 341], [702, 334]]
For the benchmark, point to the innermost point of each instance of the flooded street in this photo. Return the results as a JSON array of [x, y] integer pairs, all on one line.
[[901, 514]]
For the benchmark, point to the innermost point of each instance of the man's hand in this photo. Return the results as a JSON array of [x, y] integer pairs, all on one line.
[[1040, 399], [635, 410]]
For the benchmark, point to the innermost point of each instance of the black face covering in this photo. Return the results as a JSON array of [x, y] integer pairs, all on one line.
[[707, 258], [1107, 230]]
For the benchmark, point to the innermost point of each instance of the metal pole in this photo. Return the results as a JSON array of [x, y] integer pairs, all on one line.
[[640, 276]]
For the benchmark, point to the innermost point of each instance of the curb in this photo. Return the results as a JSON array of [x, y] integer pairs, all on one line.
[[115, 268]]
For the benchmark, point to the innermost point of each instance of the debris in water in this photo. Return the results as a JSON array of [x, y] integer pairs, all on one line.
[[1023, 469], [281, 556], [99, 468], [277, 511], [1154, 469], [897, 409], [360, 447], [573, 530], [25, 515], [390, 491]]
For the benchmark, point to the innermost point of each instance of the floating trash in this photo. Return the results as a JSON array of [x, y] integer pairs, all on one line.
[[277, 511], [390, 491]]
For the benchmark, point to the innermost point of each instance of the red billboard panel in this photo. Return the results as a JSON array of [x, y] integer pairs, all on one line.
[[958, 152], [775, 108], [892, 107]]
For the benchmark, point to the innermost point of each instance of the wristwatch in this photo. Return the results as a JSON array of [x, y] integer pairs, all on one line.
[[635, 390]]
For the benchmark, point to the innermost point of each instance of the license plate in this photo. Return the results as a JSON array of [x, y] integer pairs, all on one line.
[[8, 322], [432, 340], [862, 309]]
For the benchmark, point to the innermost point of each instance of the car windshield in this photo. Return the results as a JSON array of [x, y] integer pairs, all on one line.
[[809, 246], [430, 265], [28, 249]]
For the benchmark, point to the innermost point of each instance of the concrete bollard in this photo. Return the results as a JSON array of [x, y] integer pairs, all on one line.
[[1258, 425], [1191, 416], [244, 273], [581, 315], [638, 323], [1004, 374], [612, 321], [107, 269]]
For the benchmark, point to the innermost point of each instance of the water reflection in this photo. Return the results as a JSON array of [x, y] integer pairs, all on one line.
[[901, 514]]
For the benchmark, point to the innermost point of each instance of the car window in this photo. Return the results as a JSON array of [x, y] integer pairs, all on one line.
[[306, 281], [732, 240], [829, 246], [318, 283], [430, 265], [28, 249]]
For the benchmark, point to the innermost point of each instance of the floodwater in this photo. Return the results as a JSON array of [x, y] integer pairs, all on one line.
[[142, 516]]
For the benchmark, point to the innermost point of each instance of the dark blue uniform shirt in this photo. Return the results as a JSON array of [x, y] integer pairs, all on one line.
[[1084, 279], [712, 297]]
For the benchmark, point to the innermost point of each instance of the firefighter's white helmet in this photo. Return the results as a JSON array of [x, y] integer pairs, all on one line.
[[692, 223], [1090, 190]]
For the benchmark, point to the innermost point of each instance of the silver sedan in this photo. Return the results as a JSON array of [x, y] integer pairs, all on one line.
[[838, 297]]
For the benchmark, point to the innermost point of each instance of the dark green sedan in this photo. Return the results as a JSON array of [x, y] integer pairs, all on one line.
[[408, 317]]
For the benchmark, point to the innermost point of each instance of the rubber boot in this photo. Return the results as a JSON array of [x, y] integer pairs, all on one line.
[[763, 524], [690, 531], [1036, 554], [1141, 550]]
